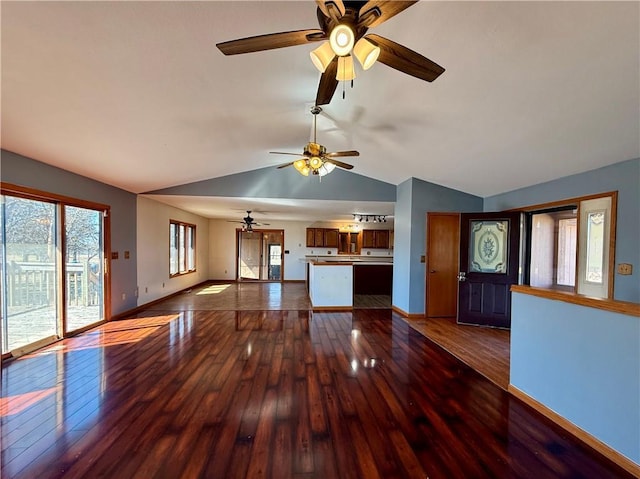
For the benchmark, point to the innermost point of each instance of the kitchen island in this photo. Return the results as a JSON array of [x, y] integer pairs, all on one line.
[[332, 282]]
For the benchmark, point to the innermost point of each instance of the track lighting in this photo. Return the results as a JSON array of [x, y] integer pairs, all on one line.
[[375, 218]]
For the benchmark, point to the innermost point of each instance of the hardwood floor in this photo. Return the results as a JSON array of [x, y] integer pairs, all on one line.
[[180, 391], [484, 349]]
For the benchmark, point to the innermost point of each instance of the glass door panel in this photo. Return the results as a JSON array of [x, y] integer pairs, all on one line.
[[84, 275], [30, 268], [275, 261], [250, 255]]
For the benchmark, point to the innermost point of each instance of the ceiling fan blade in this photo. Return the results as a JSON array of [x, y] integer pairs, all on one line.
[[283, 153], [336, 154], [341, 164], [407, 61], [270, 41], [328, 83], [333, 9], [284, 165], [375, 12]]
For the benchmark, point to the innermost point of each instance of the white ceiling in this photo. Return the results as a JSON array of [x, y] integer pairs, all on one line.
[[136, 94]]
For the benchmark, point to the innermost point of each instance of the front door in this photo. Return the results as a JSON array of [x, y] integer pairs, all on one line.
[[489, 261]]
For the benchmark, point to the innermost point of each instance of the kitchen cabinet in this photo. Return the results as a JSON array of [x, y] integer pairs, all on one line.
[[349, 243], [375, 239], [322, 237], [311, 237], [331, 238]]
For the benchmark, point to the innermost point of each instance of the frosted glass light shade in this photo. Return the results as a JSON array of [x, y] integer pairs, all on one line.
[[315, 162], [326, 168], [302, 167], [346, 71], [366, 53], [342, 39], [322, 56]]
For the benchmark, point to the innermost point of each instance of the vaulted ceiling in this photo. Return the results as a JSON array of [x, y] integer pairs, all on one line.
[[136, 94]]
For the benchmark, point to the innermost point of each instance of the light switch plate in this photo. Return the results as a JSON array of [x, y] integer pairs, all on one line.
[[625, 268]]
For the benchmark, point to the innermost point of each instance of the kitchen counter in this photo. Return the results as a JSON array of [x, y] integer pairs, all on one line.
[[386, 259], [332, 283]]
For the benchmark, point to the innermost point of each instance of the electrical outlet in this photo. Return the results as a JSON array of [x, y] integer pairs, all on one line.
[[124, 296], [625, 268]]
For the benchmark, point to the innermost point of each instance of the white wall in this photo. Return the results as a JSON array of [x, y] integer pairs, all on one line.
[[153, 250], [222, 249]]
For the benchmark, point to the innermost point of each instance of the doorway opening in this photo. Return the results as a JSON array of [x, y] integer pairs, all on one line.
[[260, 255]]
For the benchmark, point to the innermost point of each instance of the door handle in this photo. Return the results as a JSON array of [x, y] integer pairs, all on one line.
[[432, 271], [462, 276]]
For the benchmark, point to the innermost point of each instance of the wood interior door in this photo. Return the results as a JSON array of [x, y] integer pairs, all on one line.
[[489, 262], [443, 239]]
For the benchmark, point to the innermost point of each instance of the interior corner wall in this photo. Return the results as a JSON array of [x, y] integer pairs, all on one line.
[[27, 172], [414, 199], [153, 242], [400, 295], [623, 177]]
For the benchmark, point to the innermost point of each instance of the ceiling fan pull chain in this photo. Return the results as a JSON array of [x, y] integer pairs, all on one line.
[[343, 90]]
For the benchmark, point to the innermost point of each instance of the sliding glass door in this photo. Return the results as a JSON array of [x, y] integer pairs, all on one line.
[[53, 276], [30, 266], [84, 261]]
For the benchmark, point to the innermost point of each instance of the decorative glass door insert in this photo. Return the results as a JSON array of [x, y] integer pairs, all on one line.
[[488, 246]]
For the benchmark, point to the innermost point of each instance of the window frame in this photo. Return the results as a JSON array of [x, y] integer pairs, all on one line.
[[576, 202], [182, 239]]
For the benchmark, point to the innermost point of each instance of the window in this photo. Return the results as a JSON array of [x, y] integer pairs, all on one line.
[[569, 246], [182, 248]]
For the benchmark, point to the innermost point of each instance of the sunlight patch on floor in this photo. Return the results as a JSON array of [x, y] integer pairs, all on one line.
[[213, 289], [16, 404]]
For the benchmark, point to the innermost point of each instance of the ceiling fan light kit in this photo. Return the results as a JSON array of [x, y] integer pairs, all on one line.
[[342, 39], [322, 56], [366, 52], [346, 71]]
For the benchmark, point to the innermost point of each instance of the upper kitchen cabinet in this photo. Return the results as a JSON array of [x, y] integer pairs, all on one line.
[[349, 243], [331, 238], [324, 237], [375, 239]]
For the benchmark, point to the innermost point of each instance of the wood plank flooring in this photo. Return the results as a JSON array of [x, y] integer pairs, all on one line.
[[484, 349], [181, 392]]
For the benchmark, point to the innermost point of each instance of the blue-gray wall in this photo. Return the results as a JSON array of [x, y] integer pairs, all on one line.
[[287, 183], [583, 363], [414, 199], [622, 177], [22, 171]]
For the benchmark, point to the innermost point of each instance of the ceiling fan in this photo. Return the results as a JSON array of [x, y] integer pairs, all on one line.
[[345, 25], [316, 159], [248, 222]]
